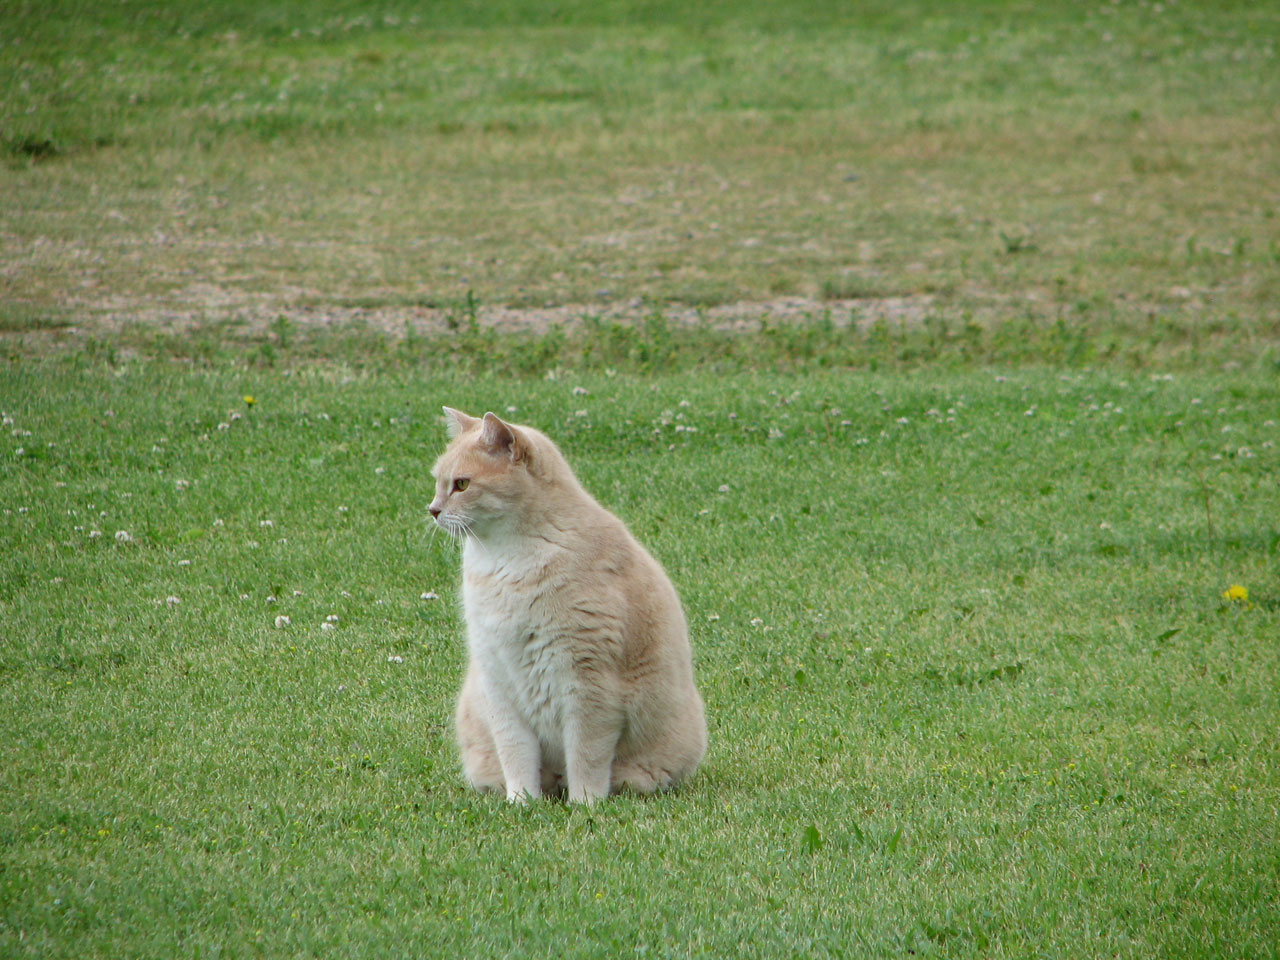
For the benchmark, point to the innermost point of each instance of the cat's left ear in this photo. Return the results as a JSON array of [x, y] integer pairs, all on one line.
[[502, 439], [457, 422]]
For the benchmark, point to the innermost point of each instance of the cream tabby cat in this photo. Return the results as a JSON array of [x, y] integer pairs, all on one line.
[[580, 677]]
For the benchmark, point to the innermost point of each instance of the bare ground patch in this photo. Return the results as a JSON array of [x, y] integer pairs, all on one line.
[[252, 315]]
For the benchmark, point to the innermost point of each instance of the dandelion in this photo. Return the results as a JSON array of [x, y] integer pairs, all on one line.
[[122, 536], [1236, 593], [249, 401], [282, 621]]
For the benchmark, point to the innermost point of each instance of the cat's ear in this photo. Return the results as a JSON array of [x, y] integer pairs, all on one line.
[[501, 439], [456, 422]]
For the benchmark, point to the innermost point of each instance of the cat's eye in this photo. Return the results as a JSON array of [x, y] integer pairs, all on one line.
[[461, 484]]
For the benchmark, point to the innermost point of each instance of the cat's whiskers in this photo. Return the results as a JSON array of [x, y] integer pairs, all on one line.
[[468, 531]]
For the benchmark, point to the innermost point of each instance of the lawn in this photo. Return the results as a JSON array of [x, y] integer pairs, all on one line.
[[933, 349], [972, 683]]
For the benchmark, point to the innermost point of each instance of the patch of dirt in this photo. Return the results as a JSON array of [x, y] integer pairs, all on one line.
[[251, 314]]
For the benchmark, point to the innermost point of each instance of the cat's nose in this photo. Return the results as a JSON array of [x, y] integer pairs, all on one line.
[[435, 511]]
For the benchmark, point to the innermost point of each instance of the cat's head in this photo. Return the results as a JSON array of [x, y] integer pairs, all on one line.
[[491, 475]]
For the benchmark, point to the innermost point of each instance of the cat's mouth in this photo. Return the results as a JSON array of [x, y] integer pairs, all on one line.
[[455, 526]]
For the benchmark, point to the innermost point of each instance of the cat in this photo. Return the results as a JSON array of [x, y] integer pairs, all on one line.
[[580, 675]]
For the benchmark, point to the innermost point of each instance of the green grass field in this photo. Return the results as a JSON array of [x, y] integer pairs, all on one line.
[[971, 498]]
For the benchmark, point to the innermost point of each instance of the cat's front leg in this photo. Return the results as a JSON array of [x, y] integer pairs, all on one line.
[[519, 752], [590, 740]]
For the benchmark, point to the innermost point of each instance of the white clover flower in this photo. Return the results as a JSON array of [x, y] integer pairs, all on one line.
[[266, 523], [380, 471], [224, 426], [172, 601], [723, 488], [343, 509], [218, 523], [756, 621], [271, 599], [20, 451], [244, 596], [184, 563], [282, 621], [580, 391], [430, 595], [331, 618], [904, 419], [328, 626], [123, 536], [297, 593], [394, 659], [713, 617], [94, 534], [181, 484]]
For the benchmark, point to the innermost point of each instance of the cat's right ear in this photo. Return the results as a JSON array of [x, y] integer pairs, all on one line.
[[456, 422]]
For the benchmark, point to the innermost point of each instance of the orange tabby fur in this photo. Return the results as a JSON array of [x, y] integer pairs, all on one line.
[[580, 677]]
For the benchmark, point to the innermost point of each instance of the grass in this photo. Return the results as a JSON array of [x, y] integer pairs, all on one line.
[[973, 686], [209, 160], [955, 534]]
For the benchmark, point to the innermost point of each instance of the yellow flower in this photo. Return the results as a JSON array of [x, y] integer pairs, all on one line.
[[249, 400], [1236, 592]]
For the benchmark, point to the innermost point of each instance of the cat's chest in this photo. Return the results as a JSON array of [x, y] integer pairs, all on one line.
[[520, 646]]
